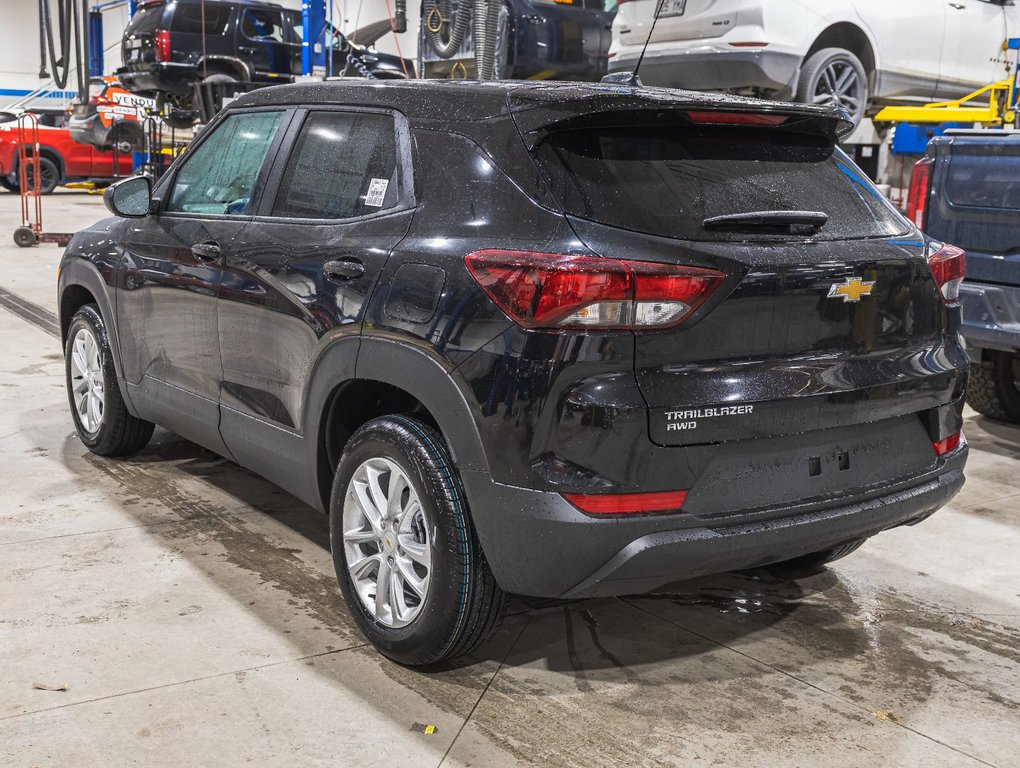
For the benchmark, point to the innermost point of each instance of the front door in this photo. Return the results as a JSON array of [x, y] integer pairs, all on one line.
[[336, 205], [171, 274]]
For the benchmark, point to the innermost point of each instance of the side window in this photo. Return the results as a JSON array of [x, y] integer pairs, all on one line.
[[344, 164], [189, 19], [262, 25], [218, 176]]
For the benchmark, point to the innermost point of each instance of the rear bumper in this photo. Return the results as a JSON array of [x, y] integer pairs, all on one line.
[[165, 77], [538, 544], [713, 67], [991, 316]]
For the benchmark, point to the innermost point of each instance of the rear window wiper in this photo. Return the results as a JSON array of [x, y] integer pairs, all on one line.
[[794, 222]]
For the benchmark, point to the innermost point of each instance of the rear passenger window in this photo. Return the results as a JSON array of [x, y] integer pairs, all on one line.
[[263, 25], [343, 165], [188, 19]]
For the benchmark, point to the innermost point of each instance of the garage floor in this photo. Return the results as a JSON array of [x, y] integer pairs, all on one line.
[[192, 610]]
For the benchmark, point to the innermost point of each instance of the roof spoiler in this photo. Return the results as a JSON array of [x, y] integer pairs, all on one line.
[[536, 114]]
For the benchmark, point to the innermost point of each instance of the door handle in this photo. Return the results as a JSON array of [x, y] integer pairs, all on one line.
[[339, 270], [957, 6], [208, 251], [532, 18]]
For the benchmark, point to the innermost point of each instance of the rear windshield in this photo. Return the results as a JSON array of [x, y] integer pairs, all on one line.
[[984, 181], [668, 180], [145, 21]]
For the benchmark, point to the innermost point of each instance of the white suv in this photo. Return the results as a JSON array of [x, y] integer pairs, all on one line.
[[857, 54]]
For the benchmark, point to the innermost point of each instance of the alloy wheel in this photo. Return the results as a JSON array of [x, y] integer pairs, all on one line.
[[87, 383], [839, 85], [386, 542]]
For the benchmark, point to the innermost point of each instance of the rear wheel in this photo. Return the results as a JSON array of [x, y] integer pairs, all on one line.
[[102, 420], [815, 560], [994, 387], [49, 175], [834, 77], [404, 548]]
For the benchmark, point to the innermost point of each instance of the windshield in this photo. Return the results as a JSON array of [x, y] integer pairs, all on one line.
[[667, 181]]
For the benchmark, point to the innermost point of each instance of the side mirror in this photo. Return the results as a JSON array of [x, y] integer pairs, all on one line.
[[129, 198]]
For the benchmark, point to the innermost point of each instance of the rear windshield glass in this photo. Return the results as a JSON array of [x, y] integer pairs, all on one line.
[[145, 21], [188, 19], [984, 181], [667, 181]]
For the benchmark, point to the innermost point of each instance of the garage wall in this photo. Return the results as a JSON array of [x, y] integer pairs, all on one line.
[[19, 54]]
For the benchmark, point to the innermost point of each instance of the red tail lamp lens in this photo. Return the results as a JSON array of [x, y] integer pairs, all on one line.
[[554, 291], [951, 443], [627, 503], [949, 266], [917, 194], [163, 45]]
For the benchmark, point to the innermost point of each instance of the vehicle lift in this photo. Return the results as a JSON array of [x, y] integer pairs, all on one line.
[[1000, 110]]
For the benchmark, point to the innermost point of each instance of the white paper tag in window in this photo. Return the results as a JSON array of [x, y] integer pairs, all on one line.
[[376, 193]]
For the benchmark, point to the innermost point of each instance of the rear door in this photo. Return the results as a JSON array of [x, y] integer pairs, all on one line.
[[813, 330], [263, 41], [335, 206], [908, 35], [972, 54]]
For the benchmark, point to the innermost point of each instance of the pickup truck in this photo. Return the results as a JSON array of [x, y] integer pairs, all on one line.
[[966, 191]]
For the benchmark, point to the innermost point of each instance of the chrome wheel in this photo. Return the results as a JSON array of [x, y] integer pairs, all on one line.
[[839, 85], [87, 384], [386, 542]]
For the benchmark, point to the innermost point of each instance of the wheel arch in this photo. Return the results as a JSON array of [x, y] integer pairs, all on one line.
[[227, 65], [388, 376], [851, 37]]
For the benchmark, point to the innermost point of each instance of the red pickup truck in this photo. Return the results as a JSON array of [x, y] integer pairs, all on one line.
[[61, 158]]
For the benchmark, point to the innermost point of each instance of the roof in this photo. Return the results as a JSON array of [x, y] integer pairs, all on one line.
[[466, 100]]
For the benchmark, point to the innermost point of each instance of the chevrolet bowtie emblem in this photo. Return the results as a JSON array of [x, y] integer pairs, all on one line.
[[851, 289]]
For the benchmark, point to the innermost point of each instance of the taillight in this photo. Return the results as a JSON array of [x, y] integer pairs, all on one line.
[[544, 290], [917, 194], [162, 45], [627, 503], [948, 266], [951, 443]]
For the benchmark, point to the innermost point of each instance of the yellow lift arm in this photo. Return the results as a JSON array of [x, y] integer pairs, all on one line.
[[999, 110]]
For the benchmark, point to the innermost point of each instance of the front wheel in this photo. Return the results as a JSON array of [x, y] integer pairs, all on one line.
[[103, 422], [834, 77], [404, 548], [49, 175]]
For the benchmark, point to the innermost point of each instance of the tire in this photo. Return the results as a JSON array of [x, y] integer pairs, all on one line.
[[115, 432], [994, 387], [461, 605], [49, 173], [24, 237], [9, 185], [815, 560], [826, 68]]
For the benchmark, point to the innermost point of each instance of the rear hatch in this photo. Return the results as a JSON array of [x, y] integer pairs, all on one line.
[[678, 20], [816, 329], [138, 42], [976, 203]]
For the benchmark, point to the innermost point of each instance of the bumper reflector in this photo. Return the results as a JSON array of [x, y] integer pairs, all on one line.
[[627, 503], [951, 443]]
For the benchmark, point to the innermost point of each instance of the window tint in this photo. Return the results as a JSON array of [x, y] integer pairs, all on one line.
[[343, 165], [262, 25], [984, 181], [667, 181], [145, 21], [219, 174], [188, 19]]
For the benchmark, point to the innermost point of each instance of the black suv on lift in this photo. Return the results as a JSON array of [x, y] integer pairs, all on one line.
[[550, 339], [168, 47]]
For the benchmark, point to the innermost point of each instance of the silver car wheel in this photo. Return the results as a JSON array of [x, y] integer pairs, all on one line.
[[838, 85], [386, 542], [87, 383]]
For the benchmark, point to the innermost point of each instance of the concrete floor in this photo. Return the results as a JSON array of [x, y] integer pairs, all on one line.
[[192, 610]]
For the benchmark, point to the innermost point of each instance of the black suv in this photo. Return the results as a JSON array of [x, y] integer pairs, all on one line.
[[550, 339], [165, 52]]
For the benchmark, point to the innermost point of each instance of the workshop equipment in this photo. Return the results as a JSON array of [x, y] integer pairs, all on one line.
[[30, 187]]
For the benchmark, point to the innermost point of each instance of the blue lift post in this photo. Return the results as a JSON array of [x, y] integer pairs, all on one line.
[[313, 46], [95, 32]]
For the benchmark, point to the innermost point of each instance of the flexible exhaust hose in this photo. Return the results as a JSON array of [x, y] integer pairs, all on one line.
[[400, 16], [44, 26], [60, 67], [486, 28], [438, 13]]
